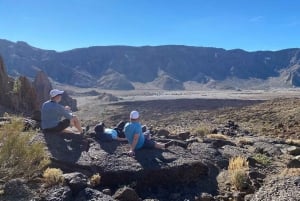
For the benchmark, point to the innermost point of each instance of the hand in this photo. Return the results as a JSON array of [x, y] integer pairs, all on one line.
[[131, 153]]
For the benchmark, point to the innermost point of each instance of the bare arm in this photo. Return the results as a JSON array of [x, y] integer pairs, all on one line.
[[134, 142]]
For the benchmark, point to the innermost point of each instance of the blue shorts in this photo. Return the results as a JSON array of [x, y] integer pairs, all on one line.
[[149, 143]]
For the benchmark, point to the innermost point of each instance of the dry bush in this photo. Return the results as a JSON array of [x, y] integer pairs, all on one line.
[[290, 172], [19, 157], [238, 179], [238, 163], [237, 169], [53, 176], [245, 141], [95, 180], [201, 131], [293, 142], [217, 136]]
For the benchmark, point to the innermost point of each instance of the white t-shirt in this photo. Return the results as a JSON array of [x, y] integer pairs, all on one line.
[[111, 132]]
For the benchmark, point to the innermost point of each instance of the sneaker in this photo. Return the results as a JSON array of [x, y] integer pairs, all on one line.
[[85, 130], [182, 144]]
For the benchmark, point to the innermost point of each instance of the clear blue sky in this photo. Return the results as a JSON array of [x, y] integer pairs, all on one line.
[[67, 24]]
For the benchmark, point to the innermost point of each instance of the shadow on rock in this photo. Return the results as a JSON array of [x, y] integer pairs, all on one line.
[[65, 147]]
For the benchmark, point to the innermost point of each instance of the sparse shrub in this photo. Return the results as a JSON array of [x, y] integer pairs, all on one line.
[[290, 172], [217, 136], [53, 176], [19, 157], [237, 169], [293, 142], [95, 180], [262, 159], [201, 131]]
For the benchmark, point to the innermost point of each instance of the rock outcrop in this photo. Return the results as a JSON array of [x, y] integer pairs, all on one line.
[[166, 82], [197, 171], [19, 94], [42, 86], [114, 80], [3, 81]]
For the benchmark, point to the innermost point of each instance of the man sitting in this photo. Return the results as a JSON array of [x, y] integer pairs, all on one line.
[[52, 113]]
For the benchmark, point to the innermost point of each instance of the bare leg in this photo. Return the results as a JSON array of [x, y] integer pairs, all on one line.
[[159, 145], [76, 123]]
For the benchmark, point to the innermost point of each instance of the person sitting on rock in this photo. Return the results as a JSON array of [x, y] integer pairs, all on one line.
[[136, 138], [52, 113], [107, 134]]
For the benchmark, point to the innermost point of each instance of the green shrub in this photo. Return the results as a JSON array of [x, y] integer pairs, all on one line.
[[19, 157], [262, 159]]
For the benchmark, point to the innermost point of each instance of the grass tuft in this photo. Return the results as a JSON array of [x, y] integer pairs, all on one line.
[[237, 169], [200, 131], [95, 180], [238, 163], [217, 136], [53, 176]]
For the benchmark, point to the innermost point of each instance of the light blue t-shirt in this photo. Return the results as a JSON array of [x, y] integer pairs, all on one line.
[[111, 132], [51, 114], [132, 128]]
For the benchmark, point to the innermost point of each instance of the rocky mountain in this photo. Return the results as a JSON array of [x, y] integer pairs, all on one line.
[[89, 67], [20, 95]]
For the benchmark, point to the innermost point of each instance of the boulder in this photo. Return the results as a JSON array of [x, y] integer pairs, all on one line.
[[149, 167]]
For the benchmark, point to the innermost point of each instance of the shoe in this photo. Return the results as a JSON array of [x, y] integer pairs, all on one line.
[[182, 144], [144, 128], [85, 130]]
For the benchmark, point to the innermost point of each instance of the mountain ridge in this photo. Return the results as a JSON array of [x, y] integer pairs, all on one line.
[[84, 67]]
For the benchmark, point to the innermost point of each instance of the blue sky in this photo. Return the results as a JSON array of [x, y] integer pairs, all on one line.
[[67, 24]]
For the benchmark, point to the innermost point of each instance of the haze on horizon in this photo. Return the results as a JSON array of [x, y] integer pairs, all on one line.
[[64, 25]]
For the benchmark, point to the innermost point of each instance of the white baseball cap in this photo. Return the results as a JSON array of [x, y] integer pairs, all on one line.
[[55, 92], [134, 114]]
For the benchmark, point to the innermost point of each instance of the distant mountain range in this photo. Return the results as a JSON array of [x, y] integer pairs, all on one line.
[[170, 67]]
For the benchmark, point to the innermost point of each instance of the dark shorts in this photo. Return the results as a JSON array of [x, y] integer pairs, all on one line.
[[60, 126], [149, 143]]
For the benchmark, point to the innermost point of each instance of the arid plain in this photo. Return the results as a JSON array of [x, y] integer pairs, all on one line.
[[259, 111]]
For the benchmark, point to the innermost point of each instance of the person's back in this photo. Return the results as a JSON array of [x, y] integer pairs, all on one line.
[[135, 136], [51, 114]]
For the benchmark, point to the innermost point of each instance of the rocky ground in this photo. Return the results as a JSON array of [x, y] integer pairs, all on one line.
[[265, 132]]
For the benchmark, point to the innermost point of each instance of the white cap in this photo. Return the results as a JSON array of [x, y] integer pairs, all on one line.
[[55, 92], [134, 114]]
